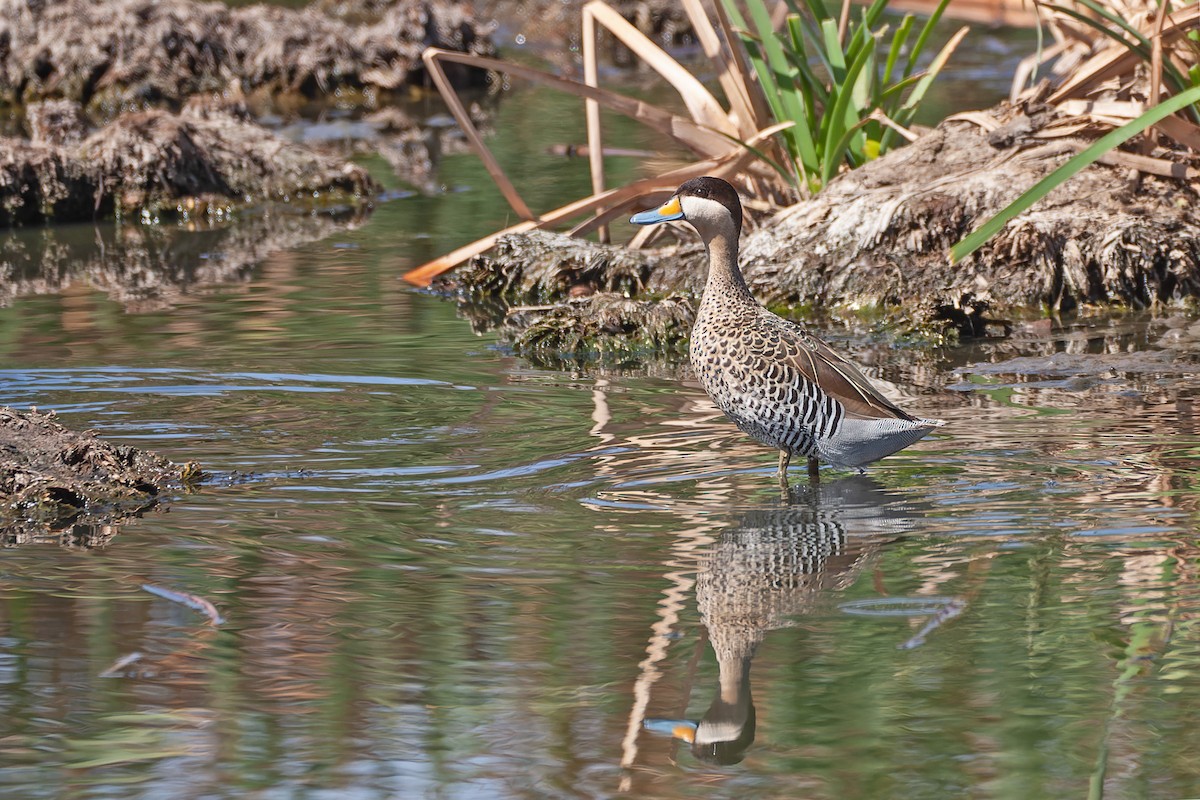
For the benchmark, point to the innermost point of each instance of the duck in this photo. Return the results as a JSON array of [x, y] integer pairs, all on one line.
[[777, 382]]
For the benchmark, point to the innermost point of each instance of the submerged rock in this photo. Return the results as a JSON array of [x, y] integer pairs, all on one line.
[[51, 477], [152, 163]]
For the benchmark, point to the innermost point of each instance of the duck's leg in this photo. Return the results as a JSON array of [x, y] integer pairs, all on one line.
[[785, 458], [814, 469]]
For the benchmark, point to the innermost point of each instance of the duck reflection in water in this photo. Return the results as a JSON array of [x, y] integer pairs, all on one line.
[[763, 572]]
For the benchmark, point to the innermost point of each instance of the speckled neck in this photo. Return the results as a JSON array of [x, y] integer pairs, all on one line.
[[725, 285]]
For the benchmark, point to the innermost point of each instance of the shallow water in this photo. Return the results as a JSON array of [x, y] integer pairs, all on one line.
[[444, 572]]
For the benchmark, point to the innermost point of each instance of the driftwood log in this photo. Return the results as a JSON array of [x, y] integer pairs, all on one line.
[[875, 243]]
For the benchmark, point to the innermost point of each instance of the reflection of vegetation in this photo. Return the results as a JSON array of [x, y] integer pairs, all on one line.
[[149, 266]]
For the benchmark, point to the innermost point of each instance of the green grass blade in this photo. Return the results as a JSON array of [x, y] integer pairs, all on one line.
[[834, 52], [1100, 10], [931, 73], [893, 93], [819, 11], [898, 42], [791, 101], [766, 78], [923, 37], [908, 109], [843, 144], [1055, 179], [807, 82], [841, 118], [862, 102], [872, 14], [788, 177], [859, 35], [1140, 44]]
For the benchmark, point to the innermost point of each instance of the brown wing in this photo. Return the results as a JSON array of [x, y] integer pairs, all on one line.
[[838, 377]]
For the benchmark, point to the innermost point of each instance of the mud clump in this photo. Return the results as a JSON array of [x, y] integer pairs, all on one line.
[[176, 87], [154, 163], [880, 235], [605, 327], [51, 477], [542, 267]]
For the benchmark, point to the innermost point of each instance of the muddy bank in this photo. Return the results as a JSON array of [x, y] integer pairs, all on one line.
[[52, 478], [154, 164], [874, 244], [146, 267], [120, 54]]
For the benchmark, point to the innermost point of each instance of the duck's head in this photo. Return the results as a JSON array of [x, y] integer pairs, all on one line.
[[710, 205]]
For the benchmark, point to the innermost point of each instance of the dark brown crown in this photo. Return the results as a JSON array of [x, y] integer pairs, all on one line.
[[715, 189]]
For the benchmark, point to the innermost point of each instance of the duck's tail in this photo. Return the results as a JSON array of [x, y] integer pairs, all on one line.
[[861, 441]]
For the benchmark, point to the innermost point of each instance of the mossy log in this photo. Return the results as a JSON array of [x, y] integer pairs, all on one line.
[[152, 163], [51, 477]]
